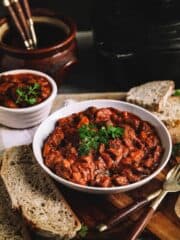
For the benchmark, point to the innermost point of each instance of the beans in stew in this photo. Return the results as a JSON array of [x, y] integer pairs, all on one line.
[[102, 147], [23, 90]]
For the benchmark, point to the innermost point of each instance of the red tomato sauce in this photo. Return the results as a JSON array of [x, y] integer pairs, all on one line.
[[121, 161]]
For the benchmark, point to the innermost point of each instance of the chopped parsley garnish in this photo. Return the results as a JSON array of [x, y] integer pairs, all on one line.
[[28, 94], [177, 92], [91, 137], [83, 231], [115, 132]]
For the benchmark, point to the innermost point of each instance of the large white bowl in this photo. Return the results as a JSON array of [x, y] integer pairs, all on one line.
[[48, 125], [29, 116]]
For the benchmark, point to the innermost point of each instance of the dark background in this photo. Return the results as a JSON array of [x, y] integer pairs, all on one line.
[[83, 77], [80, 10], [134, 42]]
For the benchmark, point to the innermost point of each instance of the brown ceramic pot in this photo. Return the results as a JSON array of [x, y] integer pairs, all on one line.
[[55, 59]]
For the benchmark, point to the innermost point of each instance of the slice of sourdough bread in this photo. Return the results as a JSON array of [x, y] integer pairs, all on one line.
[[152, 95], [11, 225], [175, 133], [171, 112], [34, 194], [171, 117]]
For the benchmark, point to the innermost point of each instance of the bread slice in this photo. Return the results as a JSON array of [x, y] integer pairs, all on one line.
[[34, 194], [152, 95], [11, 225], [171, 112], [175, 133]]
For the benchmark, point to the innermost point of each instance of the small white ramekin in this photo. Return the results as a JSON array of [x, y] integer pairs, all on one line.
[[30, 116]]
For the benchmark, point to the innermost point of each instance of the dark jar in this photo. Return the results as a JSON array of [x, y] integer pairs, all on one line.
[[55, 54]]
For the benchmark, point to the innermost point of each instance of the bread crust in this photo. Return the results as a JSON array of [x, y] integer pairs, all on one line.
[[151, 95], [22, 155], [10, 219], [171, 117]]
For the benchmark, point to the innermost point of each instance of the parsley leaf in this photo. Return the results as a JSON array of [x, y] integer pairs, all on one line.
[[28, 94], [177, 92], [83, 231], [87, 134], [91, 137], [87, 131], [103, 135], [115, 132], [32, 101], [19, 92]]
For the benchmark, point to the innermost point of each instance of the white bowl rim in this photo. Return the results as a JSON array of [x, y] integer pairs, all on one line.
[[103, 189], [35, 107]]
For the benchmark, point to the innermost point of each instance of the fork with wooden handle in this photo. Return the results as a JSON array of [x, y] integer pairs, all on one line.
[[172, 184], [126, 211]]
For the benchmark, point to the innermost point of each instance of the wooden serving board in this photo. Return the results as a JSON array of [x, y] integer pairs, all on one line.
[[93, 209]]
